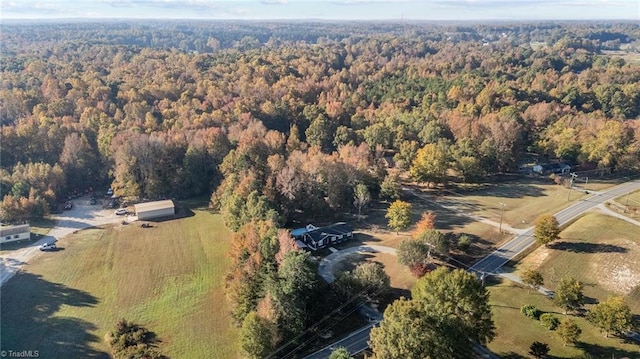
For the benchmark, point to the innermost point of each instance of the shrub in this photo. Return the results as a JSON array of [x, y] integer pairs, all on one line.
[[530, 311], [549, 321], [129, 340], [464, 242]]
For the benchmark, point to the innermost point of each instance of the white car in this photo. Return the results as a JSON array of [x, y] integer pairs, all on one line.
[[120, 211], [48, 247]]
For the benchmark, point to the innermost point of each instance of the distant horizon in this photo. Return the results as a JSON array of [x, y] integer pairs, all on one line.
[[283, 20], [323, 10]]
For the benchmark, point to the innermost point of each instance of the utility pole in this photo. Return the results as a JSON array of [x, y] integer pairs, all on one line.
[[502, 205], [573, 177], [586, 182], [626, 202]]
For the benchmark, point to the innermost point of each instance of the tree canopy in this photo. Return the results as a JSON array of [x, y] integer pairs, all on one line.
[[611, 316], [459, 296], [568, 294], [399, 215], [547, 229]]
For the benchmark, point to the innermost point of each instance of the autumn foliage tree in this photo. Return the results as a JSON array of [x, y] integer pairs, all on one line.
[[427, 222], [612, 316], [547, 229], [532, 278], [569, 331], [568, 294], [399, 215]]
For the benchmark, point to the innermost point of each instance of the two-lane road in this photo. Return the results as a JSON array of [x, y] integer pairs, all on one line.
[[355, 343], [493, 262]]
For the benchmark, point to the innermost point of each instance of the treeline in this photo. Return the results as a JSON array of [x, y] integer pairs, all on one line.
[[290, 124], [278, 298]]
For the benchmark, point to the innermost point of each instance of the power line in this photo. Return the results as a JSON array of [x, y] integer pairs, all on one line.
[[317, 324]]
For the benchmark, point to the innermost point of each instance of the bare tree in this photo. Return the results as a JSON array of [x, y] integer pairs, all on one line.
[[362, 197]]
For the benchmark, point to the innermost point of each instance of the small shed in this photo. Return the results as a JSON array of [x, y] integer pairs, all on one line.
[[155, 209], [14, 233]]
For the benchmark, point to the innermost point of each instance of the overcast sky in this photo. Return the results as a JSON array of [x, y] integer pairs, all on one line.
[[324, 9]]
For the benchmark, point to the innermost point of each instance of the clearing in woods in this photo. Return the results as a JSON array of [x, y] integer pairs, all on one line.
[[168, 278]]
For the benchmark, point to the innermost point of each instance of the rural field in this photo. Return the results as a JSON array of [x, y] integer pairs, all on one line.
[[167, 278], [524, 199], [630, 203], [600, 251]]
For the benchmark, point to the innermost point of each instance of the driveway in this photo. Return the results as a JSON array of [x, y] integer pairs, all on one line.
[[325, 269], [82, 215]]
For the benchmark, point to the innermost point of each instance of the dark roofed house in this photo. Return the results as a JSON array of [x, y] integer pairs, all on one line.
[[313, 237]]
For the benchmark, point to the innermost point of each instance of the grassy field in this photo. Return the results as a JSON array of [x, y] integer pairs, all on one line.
[[515, 332], [632, 203], [629, 57], [600, 251], [167, 278], [524, 200]]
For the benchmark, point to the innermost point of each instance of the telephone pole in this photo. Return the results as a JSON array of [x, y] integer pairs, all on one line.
[[573, 177], [626, 202], [502, 205]]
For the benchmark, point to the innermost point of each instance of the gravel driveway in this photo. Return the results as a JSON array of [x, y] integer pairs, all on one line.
[[82, 215]]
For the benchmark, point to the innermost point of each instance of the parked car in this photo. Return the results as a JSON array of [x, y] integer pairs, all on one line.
[[120, 211], [68, 205], [93, 201], [110, 192], [48, 247]]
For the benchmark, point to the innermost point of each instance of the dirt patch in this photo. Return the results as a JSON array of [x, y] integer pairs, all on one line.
[[537, 257], [617, 273]]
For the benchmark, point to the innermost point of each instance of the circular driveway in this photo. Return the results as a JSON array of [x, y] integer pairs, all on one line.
[[325, 269]]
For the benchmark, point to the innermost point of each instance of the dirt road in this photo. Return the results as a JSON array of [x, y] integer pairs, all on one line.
[[82, 215]]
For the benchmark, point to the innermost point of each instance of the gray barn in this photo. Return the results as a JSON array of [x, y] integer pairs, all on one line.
[[155, 209]]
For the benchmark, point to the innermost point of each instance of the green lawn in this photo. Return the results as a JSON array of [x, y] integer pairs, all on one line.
[[168, 278], [515, 332], [600, 251]]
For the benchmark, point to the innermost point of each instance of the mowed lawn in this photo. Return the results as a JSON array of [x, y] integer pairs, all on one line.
[[515, 332], [524, 200], [632, 203], [168, 278], [600, 251]]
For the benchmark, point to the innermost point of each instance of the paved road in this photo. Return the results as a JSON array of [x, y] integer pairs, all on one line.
[[83, 215], [493, 262], [355, 343]]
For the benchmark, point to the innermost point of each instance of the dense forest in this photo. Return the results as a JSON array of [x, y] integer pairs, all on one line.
[[277, 120], [291, 116]]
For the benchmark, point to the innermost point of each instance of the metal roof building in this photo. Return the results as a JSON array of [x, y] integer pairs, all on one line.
[[14, 233], [155, 209]]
